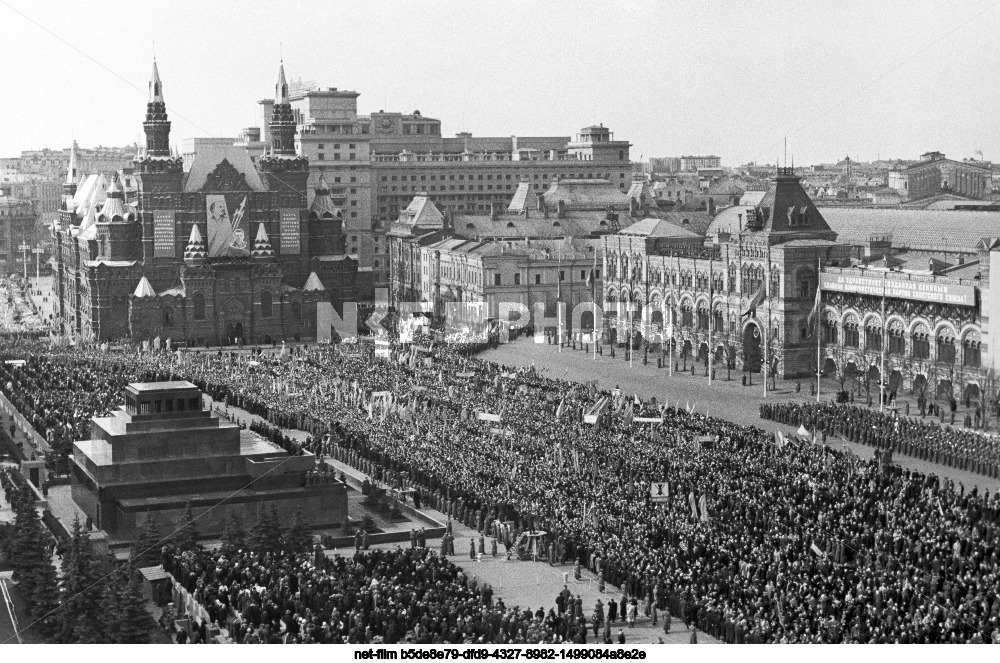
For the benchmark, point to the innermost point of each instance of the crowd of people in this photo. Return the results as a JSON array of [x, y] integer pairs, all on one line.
[[927, 440], [758, 540], [20, 316], [378, 596]]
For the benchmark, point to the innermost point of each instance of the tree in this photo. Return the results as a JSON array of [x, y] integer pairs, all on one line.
[[80, 620], [33, 570], [274, 533], [298, 537], [148, 543], [257, 537], [187, 536], [26, 541], [44, 604], [234, 537], [127, 620]]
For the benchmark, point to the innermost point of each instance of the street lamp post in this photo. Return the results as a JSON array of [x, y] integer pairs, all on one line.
[[24, 248], [38, 251]]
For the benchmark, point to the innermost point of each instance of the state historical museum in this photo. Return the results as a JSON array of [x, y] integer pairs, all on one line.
[[217, 250]]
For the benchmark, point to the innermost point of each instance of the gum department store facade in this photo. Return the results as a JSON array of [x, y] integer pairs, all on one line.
[[753, 283]]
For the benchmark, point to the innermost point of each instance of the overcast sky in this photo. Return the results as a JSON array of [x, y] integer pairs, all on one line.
[[890, 78]]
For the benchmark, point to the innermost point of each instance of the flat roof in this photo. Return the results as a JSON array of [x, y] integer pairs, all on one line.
[[162, 386]]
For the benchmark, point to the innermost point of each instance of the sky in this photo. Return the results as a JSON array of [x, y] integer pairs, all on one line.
[[889, 78]]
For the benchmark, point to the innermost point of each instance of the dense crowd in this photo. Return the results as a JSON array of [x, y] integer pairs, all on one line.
[[923, 439], [379, 596], [20, 317], [761, 540]]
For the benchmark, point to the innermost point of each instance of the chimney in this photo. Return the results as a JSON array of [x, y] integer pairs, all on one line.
[[561, 209], [541, 203], [961, 260], [711, 206]]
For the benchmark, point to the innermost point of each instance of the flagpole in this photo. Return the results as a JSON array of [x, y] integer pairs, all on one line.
[[767, 325], [559, 298], [593, 298], [881, 376], [819, 341], [711, 294]]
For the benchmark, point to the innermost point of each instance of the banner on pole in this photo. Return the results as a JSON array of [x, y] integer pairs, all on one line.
[[659, 492]]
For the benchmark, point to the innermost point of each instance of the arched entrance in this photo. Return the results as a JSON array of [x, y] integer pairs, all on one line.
[[830, 367], [971, 393], [945, 389], [720, 355], [703, 352], [895, 381], [753, 356], [233, 316], [234, 332], [919, 385]]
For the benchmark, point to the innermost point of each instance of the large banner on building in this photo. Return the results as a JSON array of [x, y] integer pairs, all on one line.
[[289, 232], [925, 291], [163, 235], [228, 225]]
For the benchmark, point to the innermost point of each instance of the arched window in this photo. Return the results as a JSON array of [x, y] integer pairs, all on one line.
[[805, 283], [265, 304], [717, 323], [702, 318], [946, 347], [199, 306], [897, 338], [873, 335], [732, 277], [851, 334], [687, 314], [971, 352], [168, 316], [829, 328], [296, 311], [920, 343]]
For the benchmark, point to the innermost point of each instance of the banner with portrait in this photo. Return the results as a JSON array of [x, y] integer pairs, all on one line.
[[228, 225]]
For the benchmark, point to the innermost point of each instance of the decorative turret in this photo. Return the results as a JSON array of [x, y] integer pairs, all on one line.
[[282, 124], [322, 205], [262, 249], [144, 289], [196, 250], [69, 187], [280, 166], [115, 210], [313, 284], [156, 125], [157, 158]]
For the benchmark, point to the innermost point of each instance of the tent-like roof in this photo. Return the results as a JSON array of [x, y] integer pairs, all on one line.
[[313, 284], [144, 289]]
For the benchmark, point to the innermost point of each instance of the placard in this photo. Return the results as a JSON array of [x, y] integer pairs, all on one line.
[[289, 231], [924, 291], [228, 225], [659, 491], [163, 235]]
